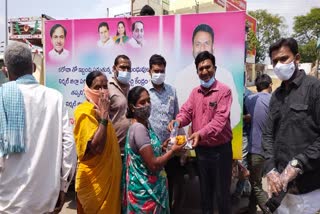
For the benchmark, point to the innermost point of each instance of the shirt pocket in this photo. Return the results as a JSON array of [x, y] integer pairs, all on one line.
[[299, 111]]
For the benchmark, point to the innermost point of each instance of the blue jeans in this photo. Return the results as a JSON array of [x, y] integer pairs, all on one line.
[[215, 171]]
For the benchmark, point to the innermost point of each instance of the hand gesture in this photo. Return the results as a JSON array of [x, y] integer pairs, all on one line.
[[288, 174], [274, 183], [178, 149], [165, 145], [103, 104], [170, 125], [195, 137]]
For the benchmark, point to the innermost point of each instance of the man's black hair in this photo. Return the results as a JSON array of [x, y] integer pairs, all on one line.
[[262, 82], [291, 43], [203, 28], [103, 24], [122, 56], [156, 59], [54, 27], [134, 24], [203, 56], [147, 11]]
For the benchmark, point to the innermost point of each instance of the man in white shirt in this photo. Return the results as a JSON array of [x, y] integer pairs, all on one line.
[[137, 40], [187, 79], [105, 41], [37, 149], [58, 35]]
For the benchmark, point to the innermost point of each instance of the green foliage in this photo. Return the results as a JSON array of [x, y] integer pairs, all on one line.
[[306, 31], [252, 40], [269, 30]]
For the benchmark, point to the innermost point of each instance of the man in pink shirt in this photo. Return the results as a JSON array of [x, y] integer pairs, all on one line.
[[208, 109]]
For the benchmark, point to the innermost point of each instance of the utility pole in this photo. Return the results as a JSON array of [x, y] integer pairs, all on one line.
[[132, 1], [197, 6], [6, 21]]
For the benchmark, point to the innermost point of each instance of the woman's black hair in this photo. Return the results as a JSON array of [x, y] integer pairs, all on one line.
[[133, 97], [121, 22], [91, 76]]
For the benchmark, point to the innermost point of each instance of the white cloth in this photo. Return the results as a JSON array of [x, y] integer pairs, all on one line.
[[55, 56], [108, 44], [133, 43], [300, 204], [31, 181], [187, 79]]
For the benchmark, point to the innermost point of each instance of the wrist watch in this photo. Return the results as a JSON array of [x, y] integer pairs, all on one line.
[[296, 164]]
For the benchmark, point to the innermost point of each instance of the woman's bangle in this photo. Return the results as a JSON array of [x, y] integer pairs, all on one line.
[[103, 122]]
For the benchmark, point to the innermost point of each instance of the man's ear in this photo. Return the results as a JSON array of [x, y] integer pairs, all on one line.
[[34, 67], [5, 71]]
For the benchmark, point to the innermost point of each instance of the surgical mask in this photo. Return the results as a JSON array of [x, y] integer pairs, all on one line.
[[124, 77], [142, 112], [284, 71], [93, 95], [158, 78], [207, 84]]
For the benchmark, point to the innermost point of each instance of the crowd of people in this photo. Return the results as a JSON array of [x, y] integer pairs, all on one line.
[[119, 143]]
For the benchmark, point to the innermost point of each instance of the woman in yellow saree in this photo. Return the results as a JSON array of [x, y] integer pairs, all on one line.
[[99, 162]]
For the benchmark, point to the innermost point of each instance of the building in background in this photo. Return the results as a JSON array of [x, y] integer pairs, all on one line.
[[30, 31]]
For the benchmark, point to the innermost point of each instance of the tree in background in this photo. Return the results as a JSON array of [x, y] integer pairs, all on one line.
[[307, 30], [269, 30]]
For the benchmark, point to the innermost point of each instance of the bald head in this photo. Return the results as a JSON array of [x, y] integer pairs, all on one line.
[[18, 60]]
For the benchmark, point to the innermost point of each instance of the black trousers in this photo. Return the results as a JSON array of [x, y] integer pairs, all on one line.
[[215, 171], [175, 173]]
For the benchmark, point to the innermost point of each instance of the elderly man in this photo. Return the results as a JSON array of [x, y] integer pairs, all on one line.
[[118, 92], [37, 151], [291, 138], [137, 40], [58, 35], [208, 108]]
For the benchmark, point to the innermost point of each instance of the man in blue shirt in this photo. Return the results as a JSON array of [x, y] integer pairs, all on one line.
[[164, 108], [257, 105]]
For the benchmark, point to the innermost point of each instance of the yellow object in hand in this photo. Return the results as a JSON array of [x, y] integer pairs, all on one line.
[[181, 139]]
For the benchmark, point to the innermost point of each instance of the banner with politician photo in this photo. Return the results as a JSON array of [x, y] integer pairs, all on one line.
[[74, 48]]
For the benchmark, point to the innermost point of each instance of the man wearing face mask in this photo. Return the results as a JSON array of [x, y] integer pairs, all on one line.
[[164, 109], [208, 109], [291, 138], [118, 93]]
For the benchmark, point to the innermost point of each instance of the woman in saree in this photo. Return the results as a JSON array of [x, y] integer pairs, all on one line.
[[144, 181], [99, 162]]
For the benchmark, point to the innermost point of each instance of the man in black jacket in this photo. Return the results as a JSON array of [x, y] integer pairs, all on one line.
[[291, 138]]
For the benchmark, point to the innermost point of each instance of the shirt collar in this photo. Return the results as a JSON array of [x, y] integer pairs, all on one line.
[[113, 81], [151, 87], [214, 87], [297, 81]]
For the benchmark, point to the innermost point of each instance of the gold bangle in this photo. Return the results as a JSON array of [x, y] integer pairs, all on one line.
[[104, 122]]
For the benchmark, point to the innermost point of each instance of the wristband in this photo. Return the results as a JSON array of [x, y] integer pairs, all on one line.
[[104, 122]]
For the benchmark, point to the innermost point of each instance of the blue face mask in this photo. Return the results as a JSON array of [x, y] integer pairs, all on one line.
[[124, 77], [207, 84]]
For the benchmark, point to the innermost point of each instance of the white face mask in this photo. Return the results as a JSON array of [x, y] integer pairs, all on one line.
[[124, 77], [284, 71], [158, 78]]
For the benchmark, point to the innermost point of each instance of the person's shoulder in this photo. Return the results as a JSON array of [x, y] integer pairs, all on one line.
[[51, 91], [169, 87], [66, 52], [138, 127], [222, 87]]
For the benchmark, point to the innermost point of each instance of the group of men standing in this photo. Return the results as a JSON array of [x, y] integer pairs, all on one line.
[[36, 137]]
